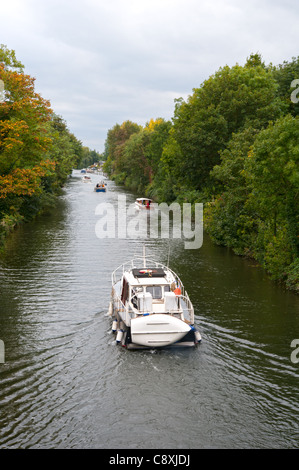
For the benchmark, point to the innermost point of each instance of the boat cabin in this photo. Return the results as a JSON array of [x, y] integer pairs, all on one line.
[[148, 291]]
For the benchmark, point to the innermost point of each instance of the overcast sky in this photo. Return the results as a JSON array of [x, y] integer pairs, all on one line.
[[101, 62]]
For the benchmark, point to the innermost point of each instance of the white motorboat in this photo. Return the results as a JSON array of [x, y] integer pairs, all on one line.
[[86, 179], [143, 203], [150, 308]]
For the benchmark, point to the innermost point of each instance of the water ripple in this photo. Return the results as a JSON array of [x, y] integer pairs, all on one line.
[[66, 384]]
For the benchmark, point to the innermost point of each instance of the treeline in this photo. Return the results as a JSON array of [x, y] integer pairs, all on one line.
[[37, 150], [233, 145]]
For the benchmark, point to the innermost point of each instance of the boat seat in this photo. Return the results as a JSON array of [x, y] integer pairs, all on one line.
[[170, 301], [145, 302]]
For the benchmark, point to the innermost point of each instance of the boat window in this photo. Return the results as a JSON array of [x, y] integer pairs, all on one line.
[[125, 291], [155, 291], [166, 288]]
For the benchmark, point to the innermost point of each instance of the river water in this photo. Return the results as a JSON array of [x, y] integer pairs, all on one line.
[[66, 384]]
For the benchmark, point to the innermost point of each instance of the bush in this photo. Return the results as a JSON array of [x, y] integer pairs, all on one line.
[[292, 281], [277, 254], [7, 225]]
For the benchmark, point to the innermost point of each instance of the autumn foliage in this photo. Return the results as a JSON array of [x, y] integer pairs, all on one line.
[[25, 182], [37, 151]]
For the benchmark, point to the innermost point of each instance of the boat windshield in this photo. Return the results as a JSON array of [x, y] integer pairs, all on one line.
[[156, 291]]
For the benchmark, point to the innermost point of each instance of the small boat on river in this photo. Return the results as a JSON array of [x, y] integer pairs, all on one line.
[[101, 187], [86, 179], [150, 308], [143, 203]]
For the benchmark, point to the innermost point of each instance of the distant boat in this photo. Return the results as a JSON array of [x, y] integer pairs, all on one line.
[[86, 179], [150, 307], [100, 187], [143, 203]]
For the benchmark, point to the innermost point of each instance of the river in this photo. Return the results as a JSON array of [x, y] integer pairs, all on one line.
[[65, 384]]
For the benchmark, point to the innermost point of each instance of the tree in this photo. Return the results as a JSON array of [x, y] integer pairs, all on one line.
[[23, 118], [37, 151], [272, 173], [231, 100], [8, 58], [229, 220], [158, 132], [114, 146], [136, 167], [24, 137], [65, 150]]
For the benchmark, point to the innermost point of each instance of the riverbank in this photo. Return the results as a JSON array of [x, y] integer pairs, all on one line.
[[8, 224]]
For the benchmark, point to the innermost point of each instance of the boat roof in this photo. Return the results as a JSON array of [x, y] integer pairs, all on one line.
[[148, 272], [146, 276]]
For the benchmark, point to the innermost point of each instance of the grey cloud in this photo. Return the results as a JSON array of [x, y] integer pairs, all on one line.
[[100, 63]]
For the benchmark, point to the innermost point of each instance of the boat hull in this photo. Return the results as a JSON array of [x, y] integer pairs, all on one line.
[[158, 330]]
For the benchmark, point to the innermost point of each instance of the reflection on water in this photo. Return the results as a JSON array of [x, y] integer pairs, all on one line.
[[65, 384]]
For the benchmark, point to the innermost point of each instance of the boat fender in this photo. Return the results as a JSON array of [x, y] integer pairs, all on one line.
[[119, 336], [114, 326], [197, 336]]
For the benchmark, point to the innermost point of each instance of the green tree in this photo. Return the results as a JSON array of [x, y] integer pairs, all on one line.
[[8, 58], [135, 164], [229, 220], [231, 100], [114, 147], [66, 150], [272, 173], [158, 132]]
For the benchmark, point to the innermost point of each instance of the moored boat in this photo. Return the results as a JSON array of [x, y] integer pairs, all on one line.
[[150, 308]]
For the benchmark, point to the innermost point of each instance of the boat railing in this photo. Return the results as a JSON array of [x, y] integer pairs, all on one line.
[[120, 306], [187, 307], [143, 263]]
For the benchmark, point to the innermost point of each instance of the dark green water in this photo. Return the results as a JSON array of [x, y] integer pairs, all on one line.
[[65, 384]]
